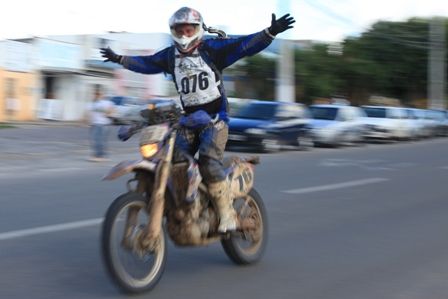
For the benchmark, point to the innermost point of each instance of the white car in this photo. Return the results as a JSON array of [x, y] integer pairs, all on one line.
[[437, 121], [420, 125], [336, 125], [387, 123]]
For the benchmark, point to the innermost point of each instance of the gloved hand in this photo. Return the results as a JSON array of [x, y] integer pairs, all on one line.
[[280, 25], [124, 133], [110, 55]]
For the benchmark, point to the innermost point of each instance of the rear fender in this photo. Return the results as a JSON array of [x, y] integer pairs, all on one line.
[[126, 167]]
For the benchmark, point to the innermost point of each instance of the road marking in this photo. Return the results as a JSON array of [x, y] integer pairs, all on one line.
[[363, 164], [336, 186], [92, 222], [68, 169], [49, 229]]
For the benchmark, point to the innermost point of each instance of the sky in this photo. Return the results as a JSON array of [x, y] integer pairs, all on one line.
[[325, 20]]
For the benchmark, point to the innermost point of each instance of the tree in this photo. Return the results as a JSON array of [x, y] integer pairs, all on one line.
[[315, 74], [389, 59], [256, 77], [394, 59]]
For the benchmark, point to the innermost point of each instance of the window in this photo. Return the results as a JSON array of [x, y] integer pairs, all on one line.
[[10, 88], [49, 87], [263, 111], [375, 112], [289, 111], [325, 113]]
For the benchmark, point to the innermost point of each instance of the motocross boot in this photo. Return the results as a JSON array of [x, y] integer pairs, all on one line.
[[220, 192]]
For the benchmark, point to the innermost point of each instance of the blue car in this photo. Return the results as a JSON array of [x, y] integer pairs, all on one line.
[[270, 126]]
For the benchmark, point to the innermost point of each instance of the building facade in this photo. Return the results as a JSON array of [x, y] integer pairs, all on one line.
[[53, 77], [17, 82]]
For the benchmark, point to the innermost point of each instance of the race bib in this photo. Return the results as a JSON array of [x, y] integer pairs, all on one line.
[[195, 80]]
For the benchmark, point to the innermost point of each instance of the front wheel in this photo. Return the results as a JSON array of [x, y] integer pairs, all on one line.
[[133, 267], [248, 245]]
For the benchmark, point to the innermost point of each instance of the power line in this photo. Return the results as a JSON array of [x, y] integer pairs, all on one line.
[[397, 40], [330, 13]]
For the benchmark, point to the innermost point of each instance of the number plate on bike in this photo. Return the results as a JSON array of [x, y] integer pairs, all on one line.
[[153, 134]]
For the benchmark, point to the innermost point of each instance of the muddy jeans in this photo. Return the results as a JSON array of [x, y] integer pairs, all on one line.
[[210, 141]]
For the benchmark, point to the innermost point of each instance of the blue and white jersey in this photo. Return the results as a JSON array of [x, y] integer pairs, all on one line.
[[212, 55], [196, 82]]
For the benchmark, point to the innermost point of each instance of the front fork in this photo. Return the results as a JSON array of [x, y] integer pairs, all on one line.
[[150, 239]]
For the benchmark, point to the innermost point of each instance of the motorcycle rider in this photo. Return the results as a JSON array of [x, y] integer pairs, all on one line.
[[196, 66]]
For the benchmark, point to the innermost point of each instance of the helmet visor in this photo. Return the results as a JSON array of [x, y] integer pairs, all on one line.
[[185, 30]]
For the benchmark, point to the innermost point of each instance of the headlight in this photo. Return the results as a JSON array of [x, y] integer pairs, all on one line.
[[255, 131], [149, 150]]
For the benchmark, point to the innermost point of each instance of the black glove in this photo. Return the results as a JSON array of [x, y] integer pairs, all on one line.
[[110, 55], [280, 25]]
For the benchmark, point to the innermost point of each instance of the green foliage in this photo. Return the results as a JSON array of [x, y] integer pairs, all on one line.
[[400, 52], [389, 59], [5, 126], [257, 75], [316, 73]]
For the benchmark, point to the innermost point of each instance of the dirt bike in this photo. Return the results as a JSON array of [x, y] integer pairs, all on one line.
[[162, 200]]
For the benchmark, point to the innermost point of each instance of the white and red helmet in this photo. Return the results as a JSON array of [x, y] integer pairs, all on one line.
[[186, 15]]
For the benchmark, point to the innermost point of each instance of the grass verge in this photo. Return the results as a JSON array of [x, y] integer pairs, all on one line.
[[6, 126]]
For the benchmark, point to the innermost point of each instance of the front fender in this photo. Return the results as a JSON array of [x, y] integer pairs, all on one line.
[[128, 166]]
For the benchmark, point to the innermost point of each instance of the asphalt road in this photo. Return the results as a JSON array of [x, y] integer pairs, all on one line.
[[367, 222]]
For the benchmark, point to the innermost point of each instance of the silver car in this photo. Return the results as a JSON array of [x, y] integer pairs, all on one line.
[[336, 125]]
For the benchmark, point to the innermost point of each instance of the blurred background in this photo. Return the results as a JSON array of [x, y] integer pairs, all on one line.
[[357, 89], [362, 53]]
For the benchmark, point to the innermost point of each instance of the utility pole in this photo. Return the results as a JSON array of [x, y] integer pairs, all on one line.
[[285, 83], [437, 64], [285, 87]]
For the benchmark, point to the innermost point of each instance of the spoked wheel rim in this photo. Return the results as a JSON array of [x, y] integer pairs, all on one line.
[[250, 238], [136, 267]]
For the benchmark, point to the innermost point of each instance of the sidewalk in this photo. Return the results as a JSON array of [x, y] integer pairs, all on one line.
[[44, 146]]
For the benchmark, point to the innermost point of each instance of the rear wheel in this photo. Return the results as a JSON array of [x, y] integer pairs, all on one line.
[[134, 267], [248, 245]]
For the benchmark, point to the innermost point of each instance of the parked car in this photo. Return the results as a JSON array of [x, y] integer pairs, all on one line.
[[235, 104], [270, 126], [418, 122], [387, 123], [444, 123], [336, 125], [438, 122]]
